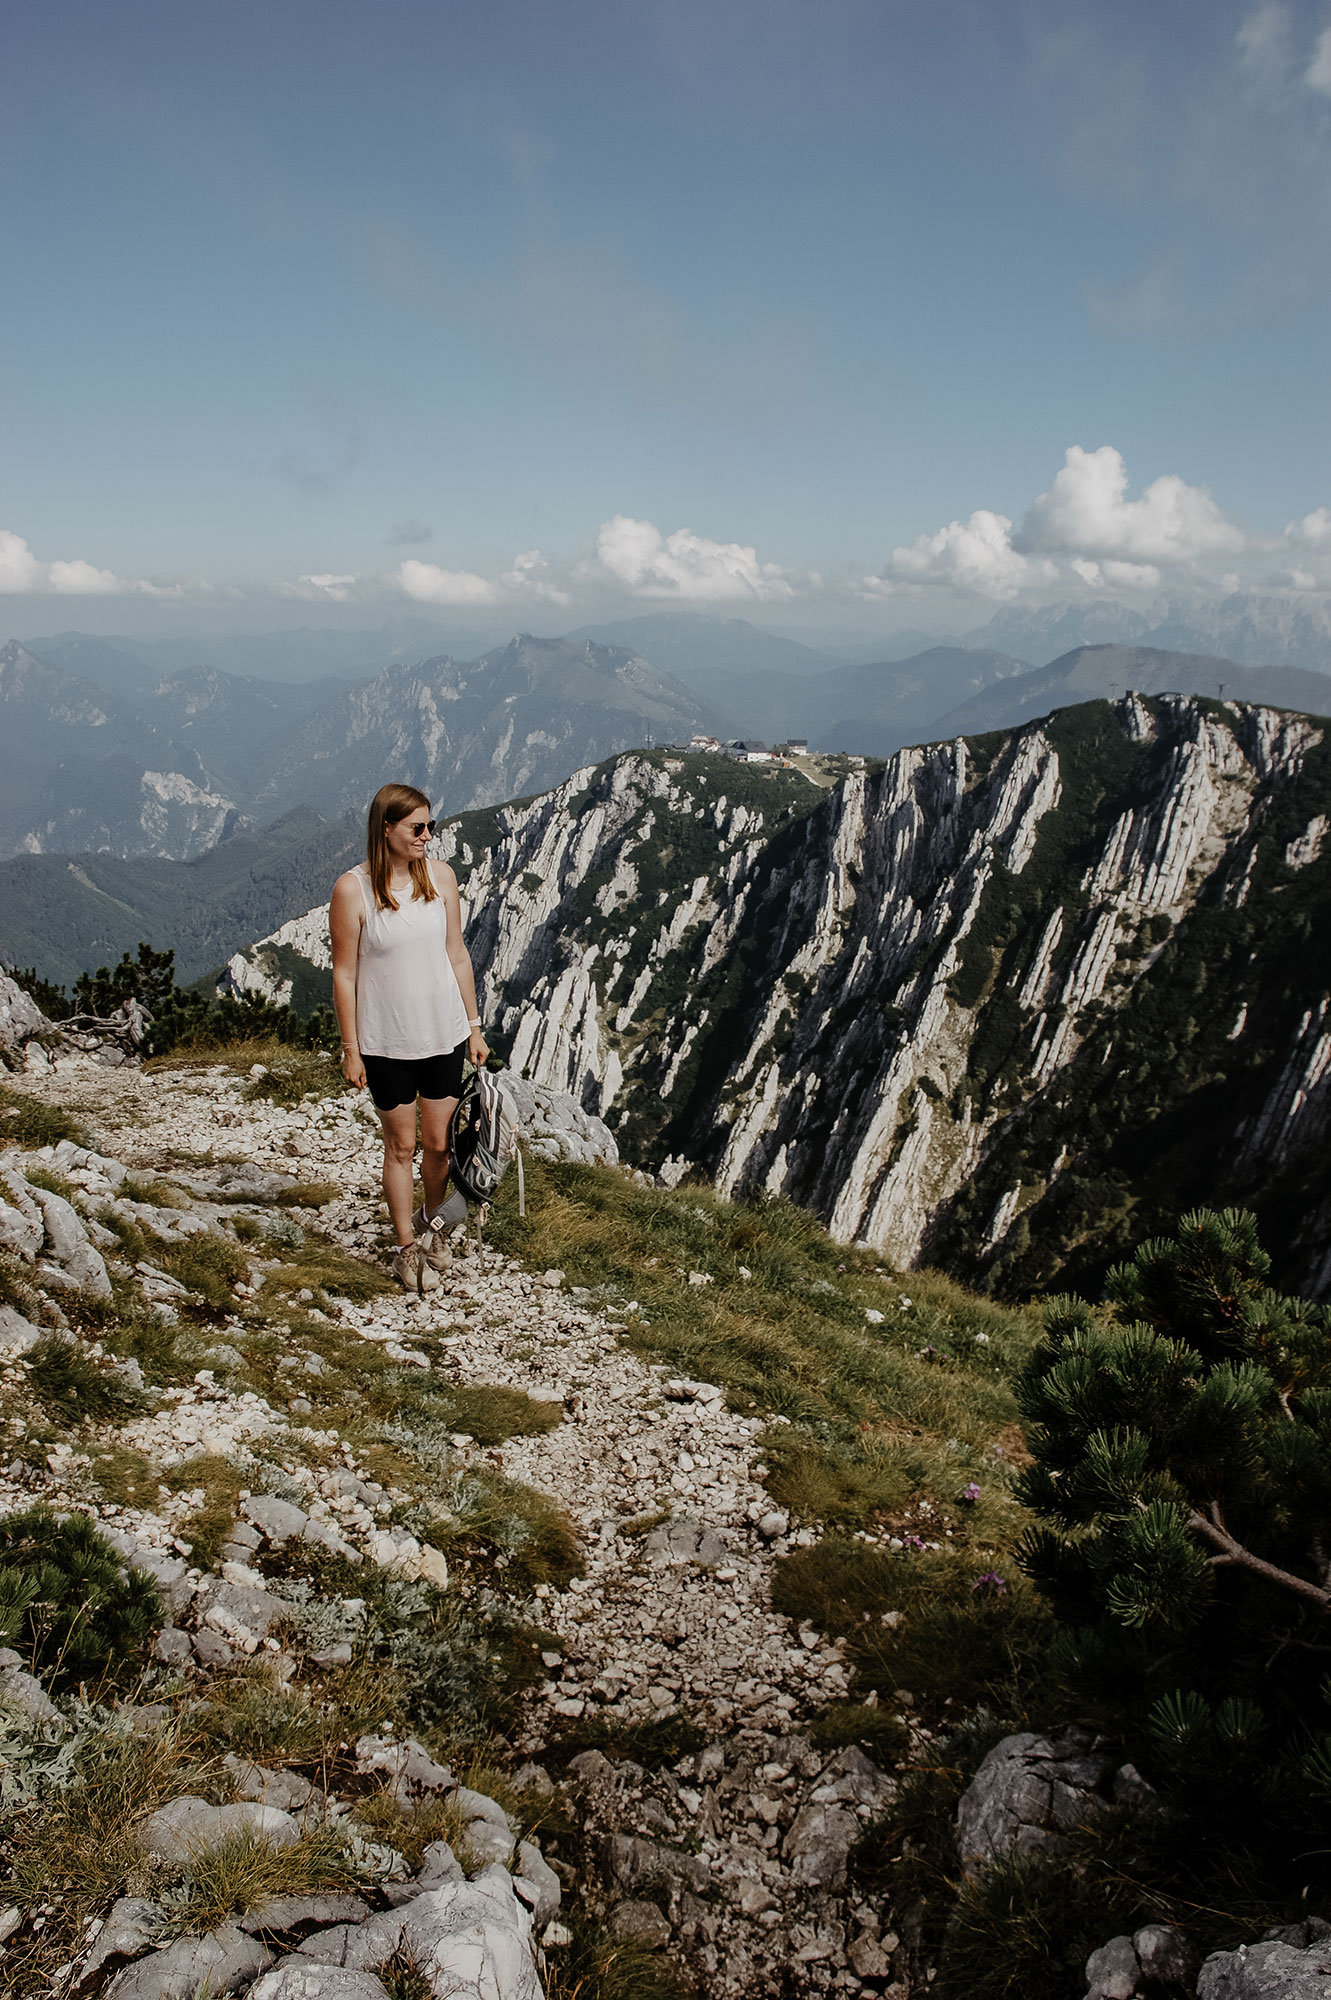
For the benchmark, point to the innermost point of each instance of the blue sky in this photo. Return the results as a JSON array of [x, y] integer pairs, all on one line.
[[790, 310]]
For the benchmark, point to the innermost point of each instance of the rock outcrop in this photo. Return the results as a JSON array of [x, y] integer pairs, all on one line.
[[975, 1003]]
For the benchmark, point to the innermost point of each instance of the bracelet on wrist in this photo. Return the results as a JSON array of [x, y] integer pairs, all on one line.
[[474, 1024]]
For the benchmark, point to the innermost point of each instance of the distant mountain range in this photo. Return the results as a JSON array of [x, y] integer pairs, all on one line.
[[116, 746], [1256, 628], [68, 913], [174, 768], [1111, 670]]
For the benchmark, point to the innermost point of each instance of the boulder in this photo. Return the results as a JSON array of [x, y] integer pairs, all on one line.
[[22, 1690], [640, 1922], [224, 1962], [298, 1979], [131, 1925], [1026, 1794], [20, 1234], [819, 1842], [277, 1519], [536, 1882], [1275, 1969], [631, 1863], [287, 1790], [408, 1766], [17, 1334], [685, 1542], [1113, 1972], [281, 1915], [67, 1244], [177, 1832], [20, 1016]]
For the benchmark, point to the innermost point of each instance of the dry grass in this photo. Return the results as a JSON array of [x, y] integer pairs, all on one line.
[[76, 1851], [244, 1873], [410, 1827]]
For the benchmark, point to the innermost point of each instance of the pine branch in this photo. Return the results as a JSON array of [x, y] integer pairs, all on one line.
[[1217, 1534]]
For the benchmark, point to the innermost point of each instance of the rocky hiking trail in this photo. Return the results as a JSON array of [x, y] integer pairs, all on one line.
[[729, 1859]]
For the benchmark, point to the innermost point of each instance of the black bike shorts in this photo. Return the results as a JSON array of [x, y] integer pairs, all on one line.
[[395, 1080]]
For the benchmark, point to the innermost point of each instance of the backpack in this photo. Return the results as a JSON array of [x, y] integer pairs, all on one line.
[[483, 1139]]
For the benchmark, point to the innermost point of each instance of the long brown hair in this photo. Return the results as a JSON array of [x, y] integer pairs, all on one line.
[[390, 804]]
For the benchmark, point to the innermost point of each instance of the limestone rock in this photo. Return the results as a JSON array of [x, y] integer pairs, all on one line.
[[685, 1541], [641, 1923], [819, 1842], [536, 1882], [281, 1915], [1113, 1972], [22, 1690], [1026, 1794], [130, 1927], [21, 1235], [278, 1520], [20, 1016], [1272, 1970], [407, 1765], [224, 1962], [178, 1831], [287, 1790], [299, 1979]]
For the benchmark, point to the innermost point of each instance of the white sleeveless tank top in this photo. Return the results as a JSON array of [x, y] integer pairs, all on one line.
[[408, 1003]]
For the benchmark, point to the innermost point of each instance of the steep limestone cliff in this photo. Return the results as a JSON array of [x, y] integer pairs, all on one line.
[[1001, 1003]]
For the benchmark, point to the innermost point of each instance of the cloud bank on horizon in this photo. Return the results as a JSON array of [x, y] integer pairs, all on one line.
[[1083, 533]]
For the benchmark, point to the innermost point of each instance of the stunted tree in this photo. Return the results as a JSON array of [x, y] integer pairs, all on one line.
[[1184, 1444]]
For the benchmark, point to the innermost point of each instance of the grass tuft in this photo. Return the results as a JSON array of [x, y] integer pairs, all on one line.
[[28, 1121], [244, 1873]]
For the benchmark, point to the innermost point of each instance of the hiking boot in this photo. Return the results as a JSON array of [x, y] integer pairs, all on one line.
[[411, 1270]]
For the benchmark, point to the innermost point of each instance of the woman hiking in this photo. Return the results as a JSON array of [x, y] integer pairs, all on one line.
[[406, 1010]]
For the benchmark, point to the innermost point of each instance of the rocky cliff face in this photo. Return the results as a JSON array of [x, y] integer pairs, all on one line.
[[1006, 1003]]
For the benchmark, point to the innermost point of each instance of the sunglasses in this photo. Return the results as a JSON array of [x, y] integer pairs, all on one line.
[[420, 826]]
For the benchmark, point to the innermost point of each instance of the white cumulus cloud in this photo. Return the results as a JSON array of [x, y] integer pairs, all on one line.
[[1084, 529], [683, 565], [22, 572], [429, 584], [975, 555], [1086, 512]]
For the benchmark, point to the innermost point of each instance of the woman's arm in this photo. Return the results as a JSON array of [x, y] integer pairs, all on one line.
[[346, 915], [447, 883]]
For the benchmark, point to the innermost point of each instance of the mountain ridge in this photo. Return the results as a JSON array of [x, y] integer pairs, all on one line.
[[897, 1002]]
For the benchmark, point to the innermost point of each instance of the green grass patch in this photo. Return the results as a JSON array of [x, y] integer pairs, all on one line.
[[74, 1389], [597, 1966], [28, 1121], [208, 1525], [880, 1412], [320, 1266], [951, 1633], [410, 1826], [252, 1714], [73, 1850]]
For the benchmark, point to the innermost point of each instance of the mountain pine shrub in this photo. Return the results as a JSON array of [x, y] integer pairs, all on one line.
[[1182, 1484], [68, 1603]]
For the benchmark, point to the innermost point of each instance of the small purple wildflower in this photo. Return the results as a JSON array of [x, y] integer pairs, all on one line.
[[991, 1583], [969, 1494]]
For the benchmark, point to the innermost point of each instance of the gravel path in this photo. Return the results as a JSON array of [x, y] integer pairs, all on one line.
[[664, 1485]]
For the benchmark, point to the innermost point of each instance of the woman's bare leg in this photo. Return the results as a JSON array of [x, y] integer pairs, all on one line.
[[436, 1117], [399, 1127]]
